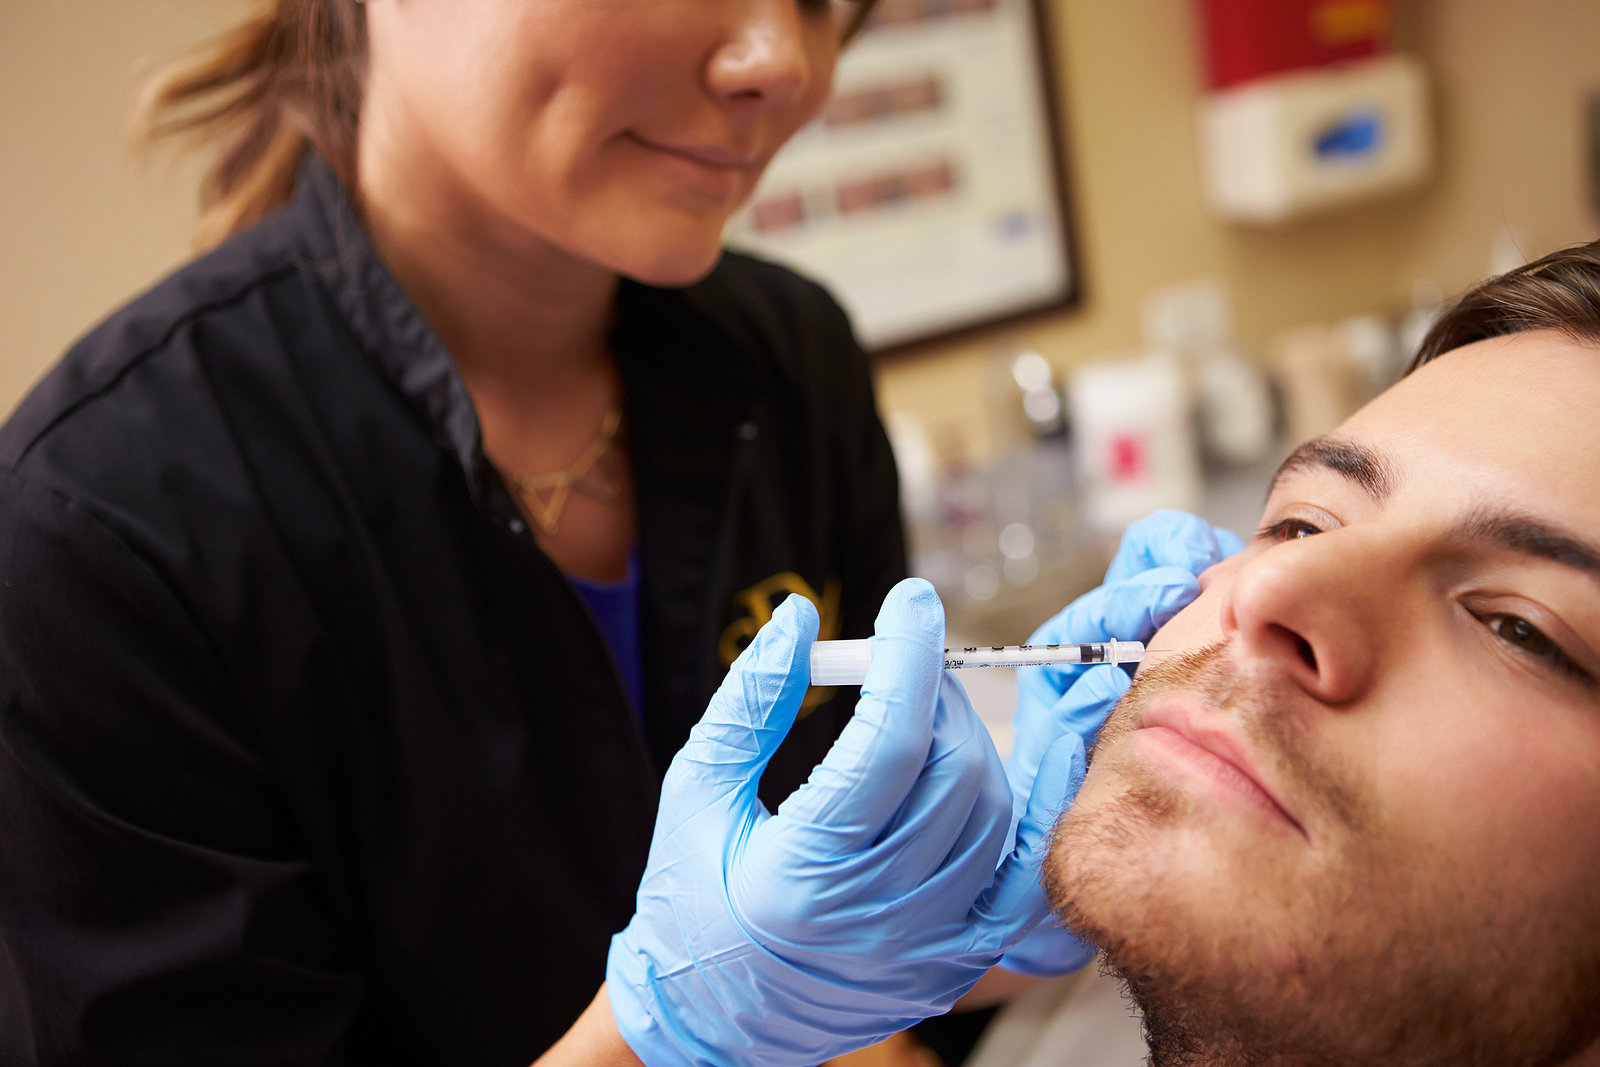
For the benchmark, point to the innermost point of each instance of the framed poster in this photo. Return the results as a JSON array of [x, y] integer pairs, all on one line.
[[928, 194]]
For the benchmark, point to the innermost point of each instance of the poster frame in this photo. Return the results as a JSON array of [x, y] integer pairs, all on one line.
[[1050, 85]]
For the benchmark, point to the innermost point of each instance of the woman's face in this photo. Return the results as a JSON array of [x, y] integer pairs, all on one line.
[[623, 132]]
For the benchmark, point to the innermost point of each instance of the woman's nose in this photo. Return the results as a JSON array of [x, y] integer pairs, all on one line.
[[1314, 610], [764, 60]]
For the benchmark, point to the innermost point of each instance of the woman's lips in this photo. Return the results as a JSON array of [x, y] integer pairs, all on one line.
[[711, 169], [1208, 749]]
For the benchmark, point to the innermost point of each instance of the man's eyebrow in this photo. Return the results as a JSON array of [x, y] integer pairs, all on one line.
[[1528, 536], [1367, 468]]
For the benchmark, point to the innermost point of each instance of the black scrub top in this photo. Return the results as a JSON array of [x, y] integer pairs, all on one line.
[[307, 753]]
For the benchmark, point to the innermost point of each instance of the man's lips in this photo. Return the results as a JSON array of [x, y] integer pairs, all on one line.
[[1209, 746]]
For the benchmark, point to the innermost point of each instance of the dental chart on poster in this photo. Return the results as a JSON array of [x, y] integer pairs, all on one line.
[[927, 194]]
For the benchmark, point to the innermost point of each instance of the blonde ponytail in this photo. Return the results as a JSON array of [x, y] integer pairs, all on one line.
[[285, 82]]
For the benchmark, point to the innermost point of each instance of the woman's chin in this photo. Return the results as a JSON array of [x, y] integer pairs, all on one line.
[[672, 268]]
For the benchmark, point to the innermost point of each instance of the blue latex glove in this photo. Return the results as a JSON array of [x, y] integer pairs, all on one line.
[[1151, 578], [870, 901]]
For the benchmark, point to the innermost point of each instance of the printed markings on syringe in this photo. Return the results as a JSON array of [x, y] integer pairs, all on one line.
[[1087, 654], [1010, 648]]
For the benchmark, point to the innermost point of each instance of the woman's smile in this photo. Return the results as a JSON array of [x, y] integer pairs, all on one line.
[[712, 171]]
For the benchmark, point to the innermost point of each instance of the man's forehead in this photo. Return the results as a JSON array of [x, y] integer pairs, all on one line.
[[1512, 418], [1529, 385], [1498, 446]]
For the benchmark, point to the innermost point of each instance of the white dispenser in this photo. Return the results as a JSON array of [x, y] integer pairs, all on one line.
[[1296, 143]]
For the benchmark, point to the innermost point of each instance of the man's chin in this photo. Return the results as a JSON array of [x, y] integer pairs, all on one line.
[[1110, 876], [1227, 969], [1115, 852]]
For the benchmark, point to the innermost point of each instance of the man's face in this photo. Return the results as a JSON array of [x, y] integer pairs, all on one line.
[[1356, 817]]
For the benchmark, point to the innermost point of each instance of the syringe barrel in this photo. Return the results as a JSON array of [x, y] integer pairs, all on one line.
[[1045, 655], [846, 662]]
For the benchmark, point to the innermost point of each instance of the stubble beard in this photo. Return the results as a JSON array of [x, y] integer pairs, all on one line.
[[1357, 956]]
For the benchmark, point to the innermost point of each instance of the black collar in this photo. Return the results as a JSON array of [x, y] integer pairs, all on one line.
[[387, 323]]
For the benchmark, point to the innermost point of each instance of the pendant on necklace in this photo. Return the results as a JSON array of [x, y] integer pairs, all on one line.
[[547, 494]]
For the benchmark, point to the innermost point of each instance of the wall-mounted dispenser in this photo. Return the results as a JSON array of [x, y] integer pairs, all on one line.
[[1305, 108], [1296, 143]]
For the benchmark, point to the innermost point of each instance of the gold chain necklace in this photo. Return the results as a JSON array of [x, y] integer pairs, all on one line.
[[558, 485]]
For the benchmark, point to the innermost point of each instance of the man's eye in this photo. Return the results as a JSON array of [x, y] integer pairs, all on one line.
[[1530, 639], [1287, 530]]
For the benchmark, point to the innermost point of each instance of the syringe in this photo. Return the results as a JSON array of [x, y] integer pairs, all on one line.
[[846, 662]]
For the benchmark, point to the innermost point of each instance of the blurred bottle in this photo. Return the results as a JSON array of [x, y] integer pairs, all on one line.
[[918, 466], [1236, 412], [1322, 385], [1024, 397], [1370, 342], [1235, 409], [1133, 438]]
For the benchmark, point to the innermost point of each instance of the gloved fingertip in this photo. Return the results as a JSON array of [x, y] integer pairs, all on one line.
[[1167, 583], [798, 615], [1181, 590], [784, 640], [1165, 538], [1229, 542], [1100, 684], [1049, 951], [913, 610], [1133, 609], [1083, 708]]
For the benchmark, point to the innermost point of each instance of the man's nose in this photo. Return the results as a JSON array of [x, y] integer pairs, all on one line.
[[1315, 610], [764, 58]]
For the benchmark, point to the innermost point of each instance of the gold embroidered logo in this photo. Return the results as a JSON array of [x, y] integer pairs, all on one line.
[[757, 600]]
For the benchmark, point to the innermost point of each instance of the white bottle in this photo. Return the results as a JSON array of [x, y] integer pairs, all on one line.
[[1133, 438]]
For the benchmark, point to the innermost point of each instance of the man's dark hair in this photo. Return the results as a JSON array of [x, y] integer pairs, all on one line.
[[1559, 292]]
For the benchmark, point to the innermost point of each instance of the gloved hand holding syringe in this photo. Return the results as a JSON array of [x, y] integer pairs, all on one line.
[[846, 662], [907, 865]]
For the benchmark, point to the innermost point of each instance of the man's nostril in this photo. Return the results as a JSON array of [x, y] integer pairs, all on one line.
[[1306, 653]]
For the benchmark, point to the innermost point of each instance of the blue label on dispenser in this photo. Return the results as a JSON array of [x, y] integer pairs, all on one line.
[[1351, 139]]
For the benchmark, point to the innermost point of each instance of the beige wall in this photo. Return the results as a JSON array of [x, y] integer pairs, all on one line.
[[1508, 81], [1512, 83], [83, 230]]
